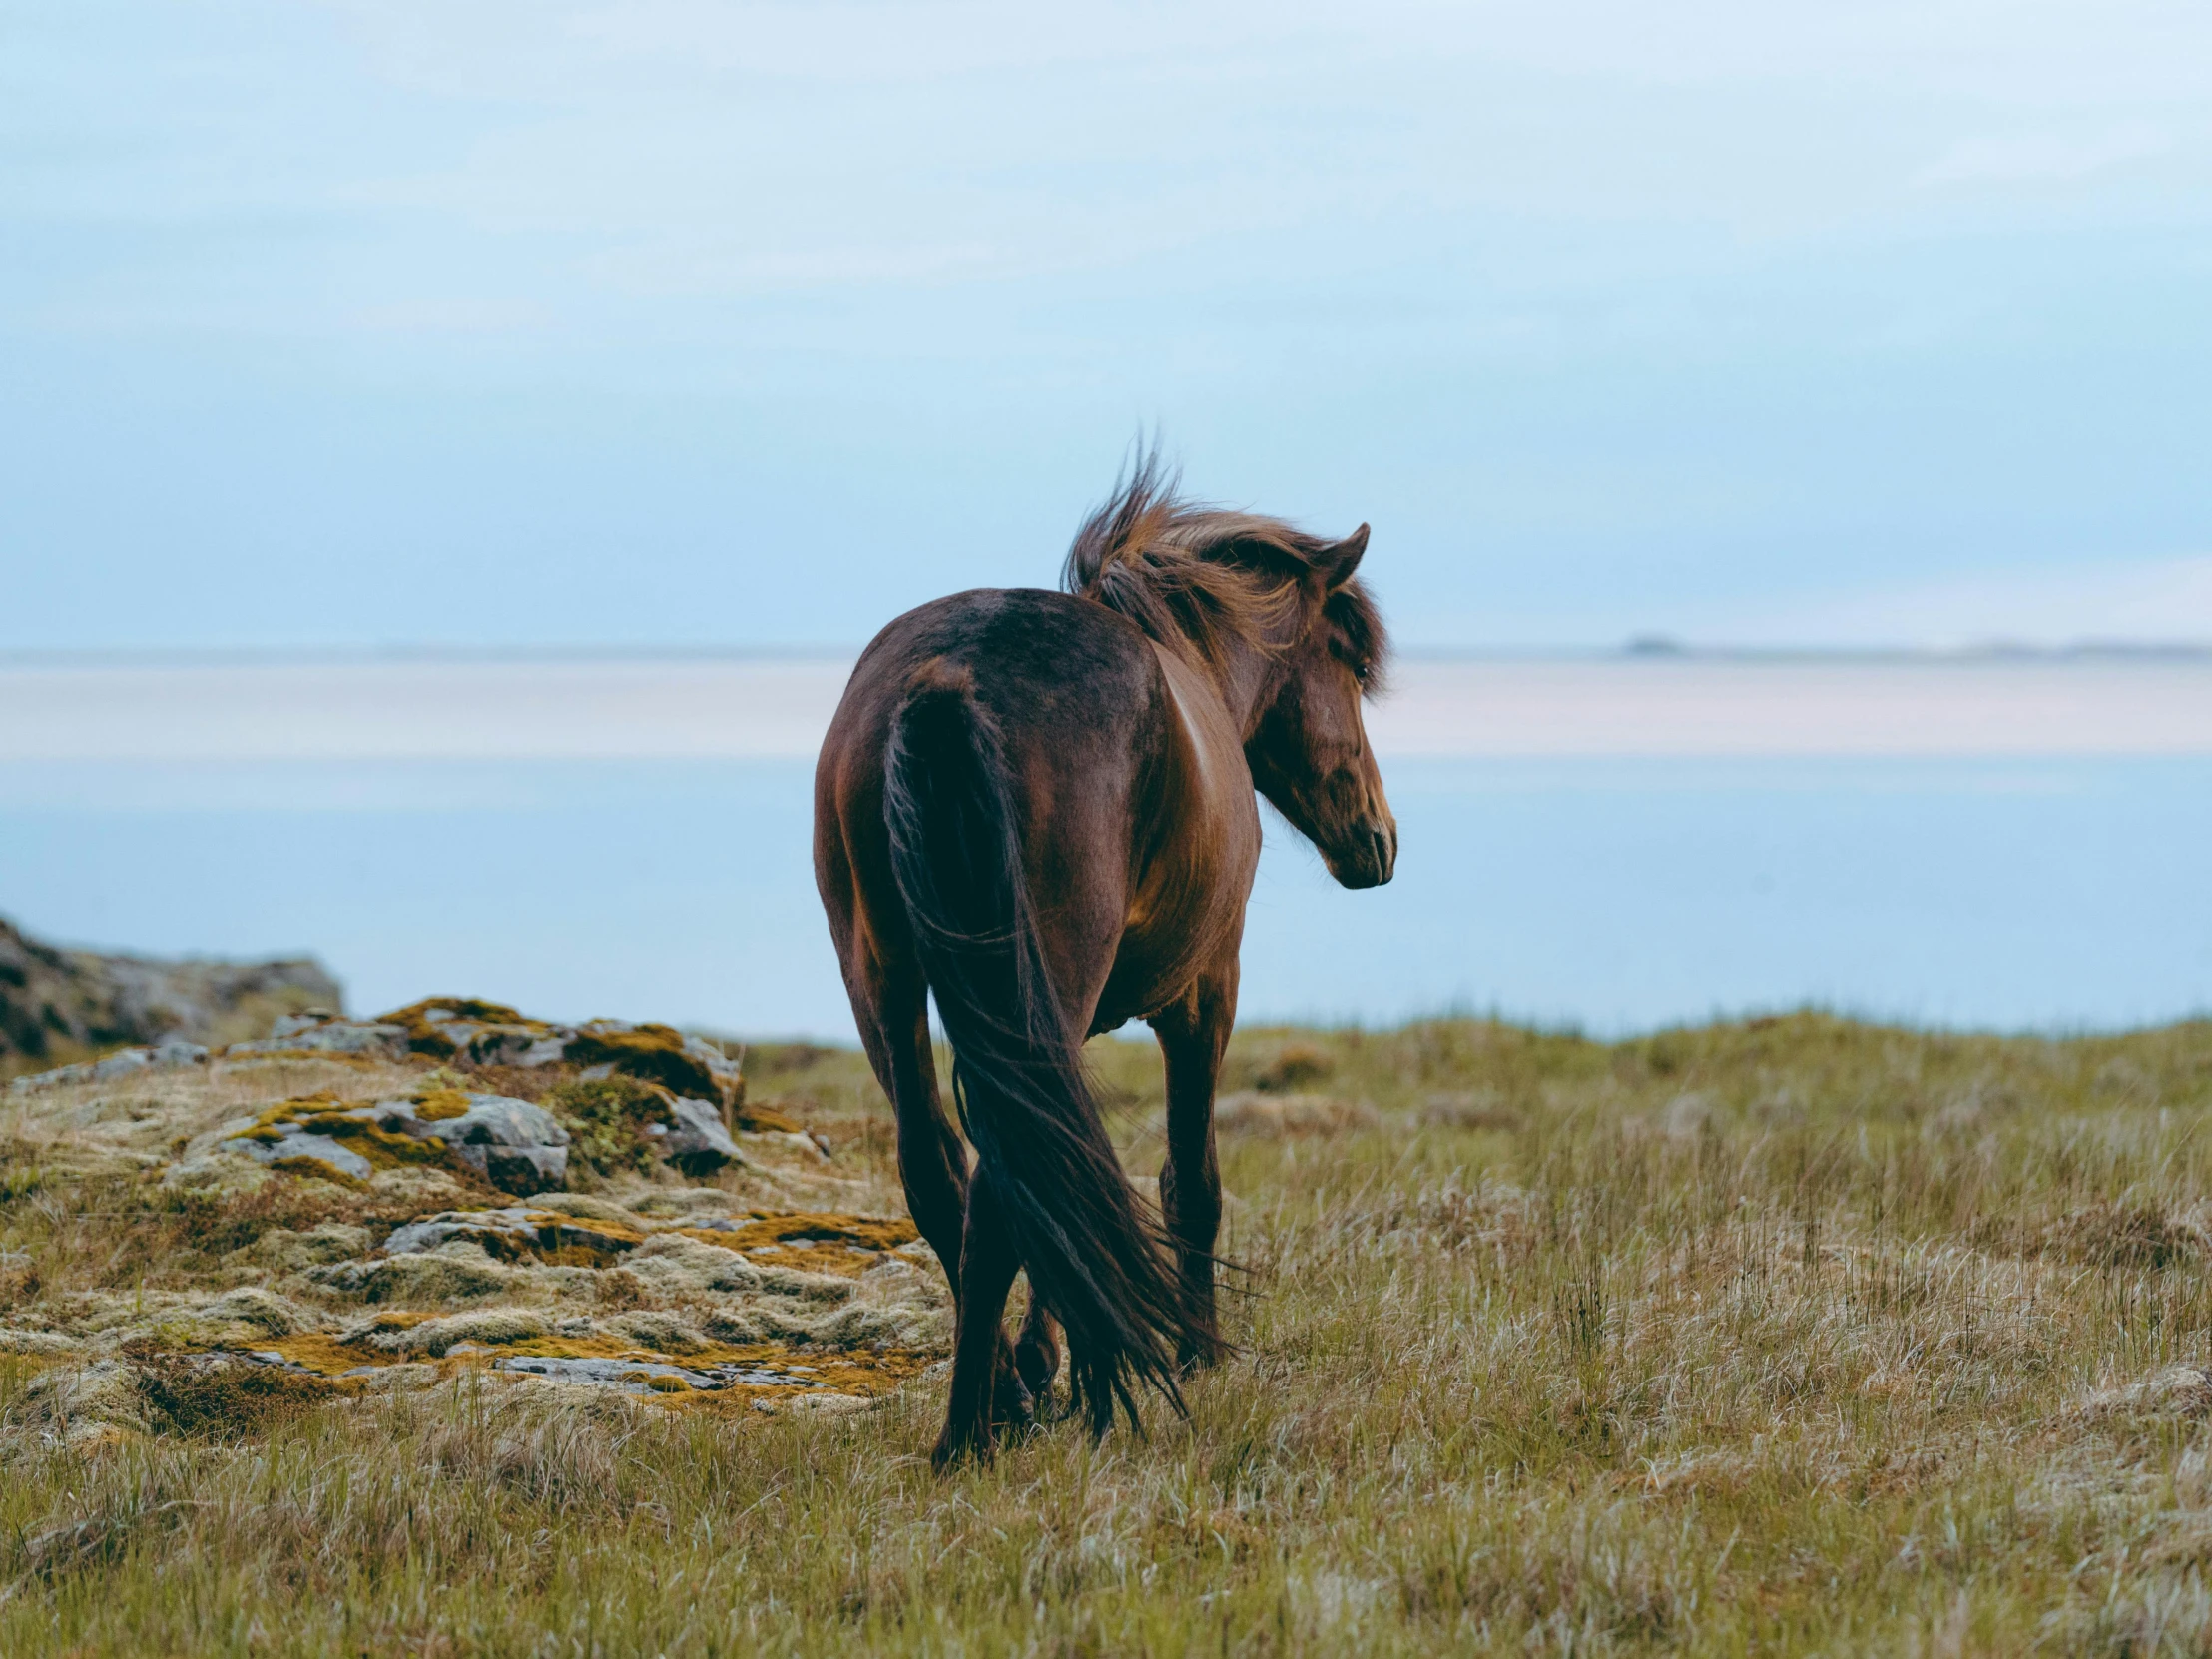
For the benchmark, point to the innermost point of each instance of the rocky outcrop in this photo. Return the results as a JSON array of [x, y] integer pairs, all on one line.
[[473, 1032], [639, 1094], [470, 1032], [59, 1004], [515, 1146], [371, 1207]]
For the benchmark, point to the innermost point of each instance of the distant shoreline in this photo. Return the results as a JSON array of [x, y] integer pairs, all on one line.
[[546, 707], [1647, 649]]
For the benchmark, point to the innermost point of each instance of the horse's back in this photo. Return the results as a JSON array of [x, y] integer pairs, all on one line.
[[1073, 695], [1141, 855], [1027, 652], [1067, 684]]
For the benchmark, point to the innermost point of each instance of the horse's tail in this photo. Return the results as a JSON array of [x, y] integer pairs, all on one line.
[[1092, 1256]]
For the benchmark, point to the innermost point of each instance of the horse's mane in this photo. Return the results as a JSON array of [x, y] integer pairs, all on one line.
[[1200, 576]]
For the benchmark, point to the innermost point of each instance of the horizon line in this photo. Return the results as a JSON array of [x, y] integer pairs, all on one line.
[[1650, 648]]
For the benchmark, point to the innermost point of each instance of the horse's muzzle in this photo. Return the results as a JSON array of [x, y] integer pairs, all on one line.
[[1368, 857]]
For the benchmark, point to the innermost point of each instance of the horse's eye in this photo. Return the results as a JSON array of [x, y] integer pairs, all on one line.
[[1360, 672]]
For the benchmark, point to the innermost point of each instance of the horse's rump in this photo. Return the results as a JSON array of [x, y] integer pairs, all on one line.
[[957, 852]]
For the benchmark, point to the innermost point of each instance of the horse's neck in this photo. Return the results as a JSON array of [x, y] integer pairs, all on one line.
[[1211, 723], [1243, 681]]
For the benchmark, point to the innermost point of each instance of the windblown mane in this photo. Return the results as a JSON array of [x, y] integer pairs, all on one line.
[[1199, 576]]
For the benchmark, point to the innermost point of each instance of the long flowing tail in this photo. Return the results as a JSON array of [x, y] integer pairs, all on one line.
[[1017, 1071]]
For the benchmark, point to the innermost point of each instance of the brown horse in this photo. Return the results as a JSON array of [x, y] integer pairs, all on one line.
[[1039, 807]]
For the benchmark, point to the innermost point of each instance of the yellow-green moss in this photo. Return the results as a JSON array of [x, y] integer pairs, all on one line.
[[440, 1105], [655, 1053], [556, 1232], [226, 1402], [317, 1169], [869, 1232], [765, 1117], [323, 1114], [269, 1127], [425, 1038], [606, 1120]]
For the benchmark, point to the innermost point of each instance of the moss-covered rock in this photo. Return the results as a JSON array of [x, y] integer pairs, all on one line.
[[469, 1028], [223, 1398], [660, 1054], [512, 1144], [610, 1121], [518, 1234], [348, 1232]]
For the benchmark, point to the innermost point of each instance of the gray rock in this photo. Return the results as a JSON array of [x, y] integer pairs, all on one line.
[[499, 1226], [338, 1036], [629, 1375], [124, 1064], [499, 1120], [173, 1055], [517, 1147], [697, 1142], [507, 1232], [297, 1143], [718, 1065], [635, 1375], [513, 1045]]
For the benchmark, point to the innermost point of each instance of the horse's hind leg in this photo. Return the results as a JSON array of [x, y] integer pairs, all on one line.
[[932, 1161], [1193, 1032], [1037, 1350], [987, 1268], [932, 1164]]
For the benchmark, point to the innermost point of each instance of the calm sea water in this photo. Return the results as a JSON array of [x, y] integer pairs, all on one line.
[[1612, 893]]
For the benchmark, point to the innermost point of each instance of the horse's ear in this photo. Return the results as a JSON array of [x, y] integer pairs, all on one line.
[[1337, 563]]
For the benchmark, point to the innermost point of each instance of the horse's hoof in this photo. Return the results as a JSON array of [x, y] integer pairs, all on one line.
[[1015, 1412], [950, 1453], [1050, 1410], [1012, 1405], [1036, 1366]]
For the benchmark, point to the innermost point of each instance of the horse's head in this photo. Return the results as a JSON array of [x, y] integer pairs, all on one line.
[[1310, 755]]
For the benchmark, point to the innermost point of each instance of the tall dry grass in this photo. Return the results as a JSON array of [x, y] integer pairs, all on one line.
[[1790, 1337]]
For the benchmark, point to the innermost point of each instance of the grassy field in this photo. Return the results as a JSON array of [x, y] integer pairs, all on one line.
[[1790, 1337]]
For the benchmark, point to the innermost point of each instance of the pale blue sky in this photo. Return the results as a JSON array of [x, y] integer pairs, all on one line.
[[676, 324]]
